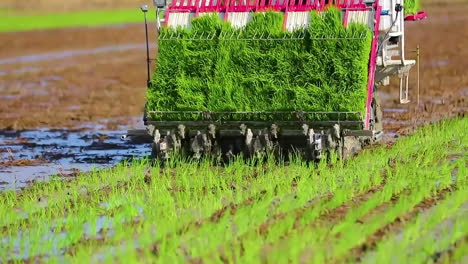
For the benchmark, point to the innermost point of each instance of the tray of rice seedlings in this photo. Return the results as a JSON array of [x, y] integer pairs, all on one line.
[[185, 67], [263, 68]]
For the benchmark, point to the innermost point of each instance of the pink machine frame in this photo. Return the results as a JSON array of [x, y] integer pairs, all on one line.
[[231, 6]]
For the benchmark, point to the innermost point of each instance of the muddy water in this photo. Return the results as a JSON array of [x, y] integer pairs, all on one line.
[[69, 53], [36, 154]]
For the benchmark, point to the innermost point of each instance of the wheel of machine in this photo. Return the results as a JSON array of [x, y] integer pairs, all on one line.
[[377, 115], [154, 151], [351, 146]]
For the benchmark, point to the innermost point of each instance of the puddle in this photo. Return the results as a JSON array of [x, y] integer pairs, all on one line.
[[437, 63], [464, 91], [74, 107], [390, 137], [396, 110], [461, 109], [437, 101], [65, 153], [18, 89], [8, 97], [22, 243], [396, 122], [20, 71], [68, 54], [385, 96]]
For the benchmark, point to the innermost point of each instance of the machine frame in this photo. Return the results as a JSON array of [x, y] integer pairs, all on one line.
[[215, 133]]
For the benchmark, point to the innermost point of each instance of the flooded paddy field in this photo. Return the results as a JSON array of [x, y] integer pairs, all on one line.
[[61, 90], [67, 96], [386, 204], [34, 155]]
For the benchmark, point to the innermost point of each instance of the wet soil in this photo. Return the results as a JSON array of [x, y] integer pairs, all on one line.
[[443, 79], [32, 155], [93, 80], [400, 221], [66, 98], [61, 78]]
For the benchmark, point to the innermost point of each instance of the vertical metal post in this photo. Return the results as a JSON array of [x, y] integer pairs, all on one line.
[[158, 20], [144, 9], [148, 82], [417, 61]]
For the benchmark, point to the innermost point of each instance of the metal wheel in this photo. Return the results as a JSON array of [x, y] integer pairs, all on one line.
[[377, 115], [155, 151], [351, 146]]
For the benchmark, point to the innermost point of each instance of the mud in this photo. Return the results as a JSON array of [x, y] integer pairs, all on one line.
[[33, 155], [92, 80], [62, 78], [443, 64]]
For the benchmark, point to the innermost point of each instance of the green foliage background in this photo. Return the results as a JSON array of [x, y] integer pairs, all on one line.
[[309, 74], [411, 6], [16, 21]]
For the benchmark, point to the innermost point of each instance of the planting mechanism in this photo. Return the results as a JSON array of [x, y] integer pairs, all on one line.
[[311, 133]]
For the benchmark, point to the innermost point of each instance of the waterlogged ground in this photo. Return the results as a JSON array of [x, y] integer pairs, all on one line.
[[402, 203], [93, 80], [407, 203], [28, 156]]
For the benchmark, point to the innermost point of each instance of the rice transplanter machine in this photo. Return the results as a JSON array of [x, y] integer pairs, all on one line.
[[214, 133]]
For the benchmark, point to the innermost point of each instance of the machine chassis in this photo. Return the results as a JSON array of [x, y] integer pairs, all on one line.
[[215, 134]]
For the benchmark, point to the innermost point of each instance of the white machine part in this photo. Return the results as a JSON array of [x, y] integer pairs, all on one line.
[[391, 58]]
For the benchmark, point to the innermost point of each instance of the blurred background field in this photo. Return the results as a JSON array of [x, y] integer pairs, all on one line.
[[52, 6], [17, 22], [47, 14]]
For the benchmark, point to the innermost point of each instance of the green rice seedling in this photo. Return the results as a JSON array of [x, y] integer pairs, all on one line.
[[416, 242], [192, 211], [458, 253]]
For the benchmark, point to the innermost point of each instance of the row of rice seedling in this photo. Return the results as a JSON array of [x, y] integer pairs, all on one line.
[[349, 232], [241, 212], [319, 68], [428, 234]]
